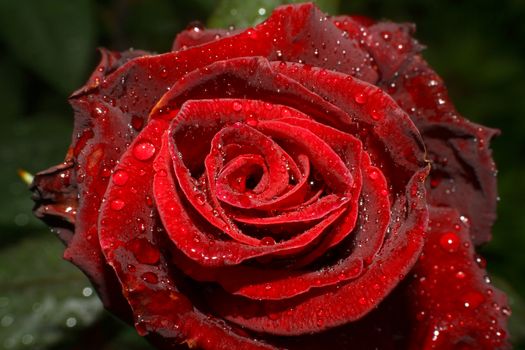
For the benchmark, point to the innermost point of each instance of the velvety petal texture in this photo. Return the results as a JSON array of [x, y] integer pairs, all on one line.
[[271, 187]]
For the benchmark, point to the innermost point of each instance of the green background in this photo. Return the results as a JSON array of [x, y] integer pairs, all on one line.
[[47, 49]]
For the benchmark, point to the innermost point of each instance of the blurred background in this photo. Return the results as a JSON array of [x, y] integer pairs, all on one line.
[[48, 49]]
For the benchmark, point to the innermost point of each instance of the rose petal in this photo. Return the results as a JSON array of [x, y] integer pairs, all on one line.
[[469, 313], [347, 302], [197, 35], [149, 288], [191, 236], [462, 164], [56, 199]]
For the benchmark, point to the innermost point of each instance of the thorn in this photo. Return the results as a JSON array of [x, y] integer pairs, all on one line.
[[26, 177]]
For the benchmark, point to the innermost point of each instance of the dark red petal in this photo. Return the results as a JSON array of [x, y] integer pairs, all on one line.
[[249, 138], [384, 328], [331, 167], [382, 124], [129, 236], [109, 62], [390, 44], [196, 35], [270, 284], [451, 298], [459, 150], [56, 199], [311, 212], [181, 227], [267, 283], [374, 218], [333, 306], [462, 164]]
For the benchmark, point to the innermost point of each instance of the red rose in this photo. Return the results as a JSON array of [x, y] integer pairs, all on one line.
[[266, 189]]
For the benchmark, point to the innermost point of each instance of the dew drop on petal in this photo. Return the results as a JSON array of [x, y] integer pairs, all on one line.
[[252, 121], [267, 241], [200, 199], [144, 251], [237, 106], [99, 111], [117, 204], [473, 299], [144, 150], [120, 177], [150, 277], [374, 175], [449, 241], [375, 114], [285, 113], [360, 98], [460, 275]]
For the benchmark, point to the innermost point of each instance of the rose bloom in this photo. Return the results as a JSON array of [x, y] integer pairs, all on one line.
[[303, 184]]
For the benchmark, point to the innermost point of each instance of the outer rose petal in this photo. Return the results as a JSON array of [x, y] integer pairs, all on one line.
[[453, 304], [462, 164], [56, 199]]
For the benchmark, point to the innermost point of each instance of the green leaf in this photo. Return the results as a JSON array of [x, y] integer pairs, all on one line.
[[42, 297], [53, 38], [242, 13]]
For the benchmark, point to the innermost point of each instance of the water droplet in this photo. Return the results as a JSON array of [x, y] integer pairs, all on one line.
[[374, 175], [449, 241], [144, 150], [473, 299], [375, 114], [464, 219], [481, 261], [252, 121], [285, 113], [117, 204], [99, 111], [201, 200], [144, 251], [460, 275], [150, 277], [267, 241], [261, 11], [362, 301], [360, 98], [237, 106], [120, 177]]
